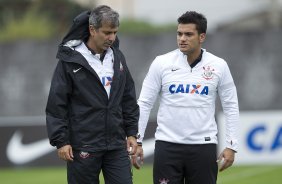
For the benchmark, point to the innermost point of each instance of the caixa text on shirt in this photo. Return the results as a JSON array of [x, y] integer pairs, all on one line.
[[189, 88]]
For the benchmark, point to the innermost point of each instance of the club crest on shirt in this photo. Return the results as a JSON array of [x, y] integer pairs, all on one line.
[[84, 155], [163, 181], [106, 80], [208, 73]]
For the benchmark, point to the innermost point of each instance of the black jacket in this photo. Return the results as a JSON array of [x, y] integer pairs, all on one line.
[[79, 111]]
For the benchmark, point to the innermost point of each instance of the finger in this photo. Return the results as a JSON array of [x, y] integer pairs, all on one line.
[[68, 157], [136, 165], [220, 157], [68, 154], [61, 154], [141, 158], [135, 162], [133, 159], [133, 149], [225, 165], [222, 166], [71, 153], [128, 146]]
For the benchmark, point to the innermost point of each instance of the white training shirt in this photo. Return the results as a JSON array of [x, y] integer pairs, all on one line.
[[104, 69], [186, 113]]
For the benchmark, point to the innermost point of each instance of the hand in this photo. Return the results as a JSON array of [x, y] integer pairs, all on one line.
[[131, 145], [138, 159], [227, 156], [65, 153]]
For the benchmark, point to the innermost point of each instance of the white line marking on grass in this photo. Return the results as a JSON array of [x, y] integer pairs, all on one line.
[[245, 174]]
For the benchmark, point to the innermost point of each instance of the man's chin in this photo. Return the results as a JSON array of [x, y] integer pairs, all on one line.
[[184, 50], [107, 45]]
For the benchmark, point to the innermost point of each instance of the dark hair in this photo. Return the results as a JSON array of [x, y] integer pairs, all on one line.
[[192, 17], [102, 14]]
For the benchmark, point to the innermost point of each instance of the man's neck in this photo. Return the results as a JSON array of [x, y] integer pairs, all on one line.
[[102, 54], [197, 60], [191, 57], [93, 47]]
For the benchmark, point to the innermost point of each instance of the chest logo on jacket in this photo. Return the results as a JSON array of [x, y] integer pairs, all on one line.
[[208, 73], [76, 70]]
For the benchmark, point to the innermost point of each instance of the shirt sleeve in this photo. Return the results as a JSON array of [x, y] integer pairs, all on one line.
[[229, 101], [149, 92]]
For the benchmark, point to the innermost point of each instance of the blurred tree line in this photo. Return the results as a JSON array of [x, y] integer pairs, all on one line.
[[36, 19], [44, 19]]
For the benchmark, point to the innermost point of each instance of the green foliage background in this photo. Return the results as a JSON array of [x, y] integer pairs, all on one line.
[[44, 19], [40, 19]]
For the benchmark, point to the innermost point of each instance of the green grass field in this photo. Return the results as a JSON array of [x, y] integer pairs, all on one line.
[[235, 175]]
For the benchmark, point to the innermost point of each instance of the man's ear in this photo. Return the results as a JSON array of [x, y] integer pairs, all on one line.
[[202, 37], [92, 30]]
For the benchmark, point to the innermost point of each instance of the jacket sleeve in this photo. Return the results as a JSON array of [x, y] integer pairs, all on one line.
[[129, 104], [57, 107]]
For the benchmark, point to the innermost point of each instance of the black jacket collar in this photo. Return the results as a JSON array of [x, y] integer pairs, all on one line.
[[197, 60]]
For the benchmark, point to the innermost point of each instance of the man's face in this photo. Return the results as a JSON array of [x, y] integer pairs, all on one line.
[[188, 38], [103, 37]]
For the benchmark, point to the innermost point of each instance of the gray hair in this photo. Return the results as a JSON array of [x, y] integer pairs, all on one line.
[[102, 14]]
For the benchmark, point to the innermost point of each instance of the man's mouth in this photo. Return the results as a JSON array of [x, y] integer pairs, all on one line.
[[183, 45], [108, 44]]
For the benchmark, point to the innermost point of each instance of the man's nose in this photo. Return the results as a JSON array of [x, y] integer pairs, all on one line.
[[183, 37], [112, 37]]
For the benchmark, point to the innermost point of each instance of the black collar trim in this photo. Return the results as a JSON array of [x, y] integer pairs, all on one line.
[[197, 60]]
